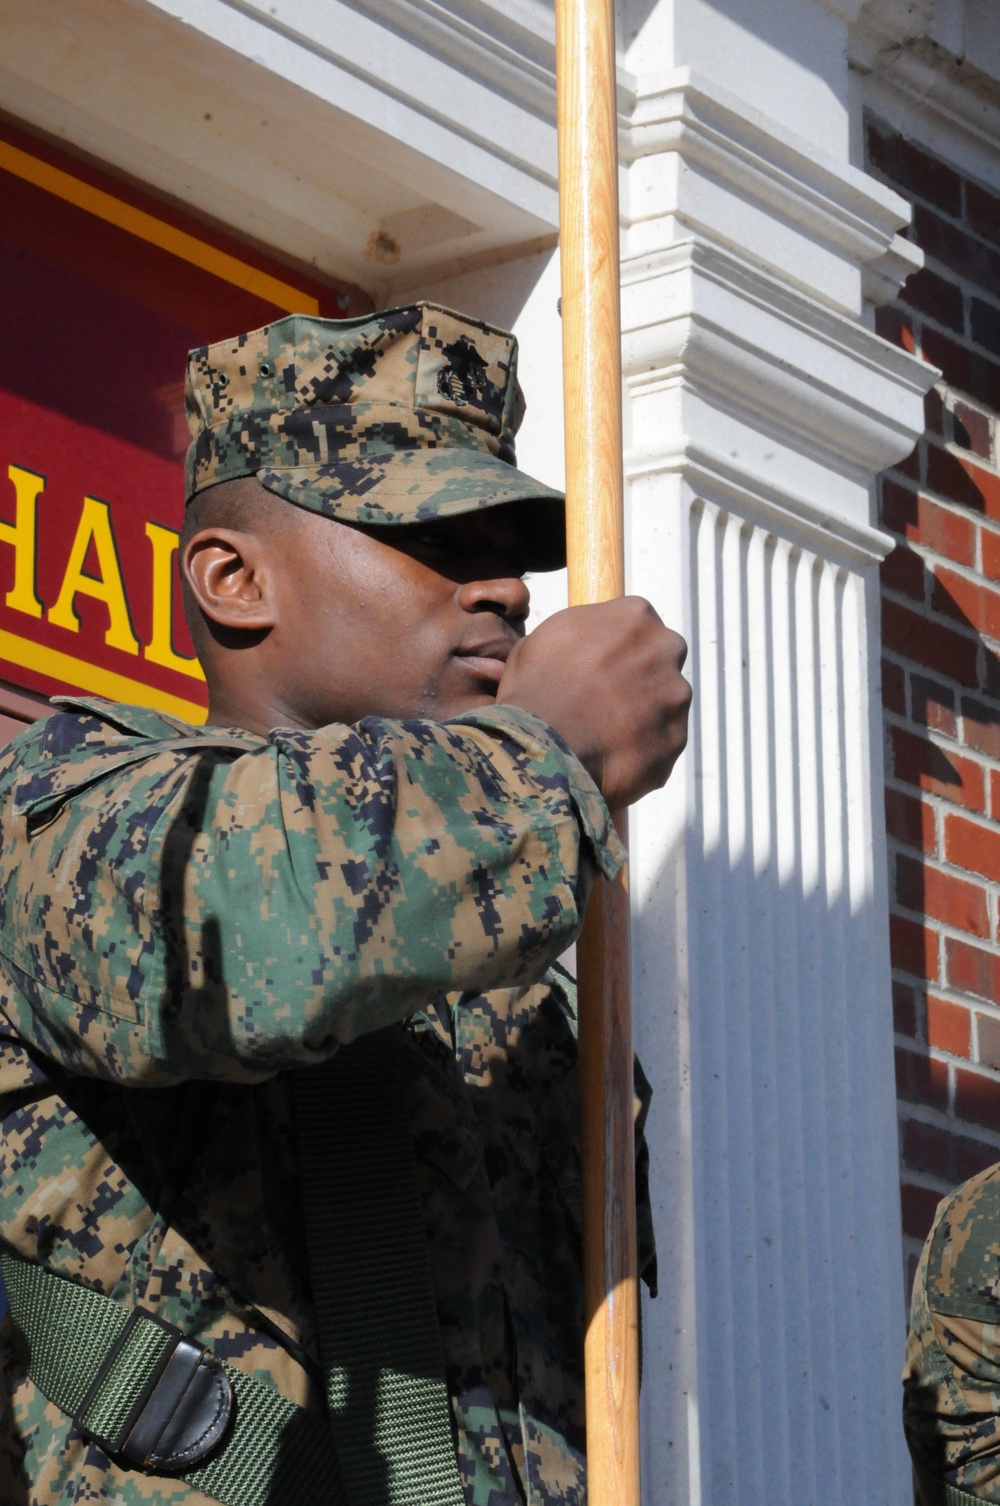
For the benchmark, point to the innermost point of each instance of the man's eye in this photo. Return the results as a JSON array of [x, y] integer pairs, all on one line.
[[423, 540], [440, 547]]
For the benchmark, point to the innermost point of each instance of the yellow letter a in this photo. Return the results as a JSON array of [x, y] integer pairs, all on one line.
[[95, 527]]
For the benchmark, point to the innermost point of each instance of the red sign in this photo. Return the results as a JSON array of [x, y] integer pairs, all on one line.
[[102, 293]]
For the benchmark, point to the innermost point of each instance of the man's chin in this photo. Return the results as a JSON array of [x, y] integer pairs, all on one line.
[[443, 708]]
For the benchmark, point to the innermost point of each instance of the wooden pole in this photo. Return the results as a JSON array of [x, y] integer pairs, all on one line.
[[591, 325]]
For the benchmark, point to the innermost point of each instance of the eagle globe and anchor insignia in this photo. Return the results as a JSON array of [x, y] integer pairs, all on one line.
[[465, 380]]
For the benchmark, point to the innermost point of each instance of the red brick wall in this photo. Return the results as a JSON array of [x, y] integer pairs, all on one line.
[[941, 687]]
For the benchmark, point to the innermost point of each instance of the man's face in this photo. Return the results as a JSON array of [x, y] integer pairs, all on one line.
[[412, 621]]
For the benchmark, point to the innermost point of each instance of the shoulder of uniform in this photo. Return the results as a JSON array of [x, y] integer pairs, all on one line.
[[963, 1256], [103, 720], [86, 740]]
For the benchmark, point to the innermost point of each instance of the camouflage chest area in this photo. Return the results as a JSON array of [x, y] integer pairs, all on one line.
[[185, 1199], [178, 934]]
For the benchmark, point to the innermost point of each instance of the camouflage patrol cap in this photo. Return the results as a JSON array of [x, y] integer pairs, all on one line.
[[398, 417]]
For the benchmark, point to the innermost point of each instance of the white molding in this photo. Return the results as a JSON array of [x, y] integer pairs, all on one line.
[[882, 278], [777, 513], [935, 74], [746, 256], [492, 87], [939, 87], [785, 171], [963, 31], [898, 20], [812, 219], [509, 47], [811, 377]]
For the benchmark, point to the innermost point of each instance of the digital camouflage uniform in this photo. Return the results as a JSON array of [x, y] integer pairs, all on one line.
[[951, 1377], [184, 927]]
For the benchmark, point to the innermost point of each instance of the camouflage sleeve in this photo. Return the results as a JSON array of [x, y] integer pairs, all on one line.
[[951, 1377], [208, 914]]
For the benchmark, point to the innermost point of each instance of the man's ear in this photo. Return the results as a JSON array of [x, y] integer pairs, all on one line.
[[229, 578]]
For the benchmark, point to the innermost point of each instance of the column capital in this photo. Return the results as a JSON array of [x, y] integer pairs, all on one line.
[[747, 257]]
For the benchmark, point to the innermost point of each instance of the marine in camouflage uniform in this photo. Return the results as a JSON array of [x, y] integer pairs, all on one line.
[[951, 1377], [189, 918]]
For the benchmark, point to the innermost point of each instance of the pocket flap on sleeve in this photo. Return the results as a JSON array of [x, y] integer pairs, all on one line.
[[47, 786]]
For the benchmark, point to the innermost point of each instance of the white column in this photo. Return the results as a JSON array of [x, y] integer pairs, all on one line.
[[759, 409]]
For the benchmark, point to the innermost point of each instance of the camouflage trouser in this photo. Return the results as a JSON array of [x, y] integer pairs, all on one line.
[[951, 1377]]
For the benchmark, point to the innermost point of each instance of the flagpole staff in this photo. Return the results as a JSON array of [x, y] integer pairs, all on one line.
[[591, 325]]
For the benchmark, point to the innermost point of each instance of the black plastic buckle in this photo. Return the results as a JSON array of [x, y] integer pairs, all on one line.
[[184, 1409]]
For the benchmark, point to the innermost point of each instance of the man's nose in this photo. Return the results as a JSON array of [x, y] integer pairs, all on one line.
[[507, 595]]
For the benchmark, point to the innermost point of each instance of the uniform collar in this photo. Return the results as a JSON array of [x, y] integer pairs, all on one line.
[[143, 721]]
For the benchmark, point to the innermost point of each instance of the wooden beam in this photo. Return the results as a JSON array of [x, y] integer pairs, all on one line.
[[591, 323]]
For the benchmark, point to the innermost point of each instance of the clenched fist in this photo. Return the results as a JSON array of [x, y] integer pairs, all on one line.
[[608, 679]]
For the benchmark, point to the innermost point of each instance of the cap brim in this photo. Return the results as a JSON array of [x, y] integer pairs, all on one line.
[[422, 485]]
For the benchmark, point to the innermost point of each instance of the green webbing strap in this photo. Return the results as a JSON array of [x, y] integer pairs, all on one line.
[[390, 1415], [372, 1292], [276, 1454], [937, 1492]]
